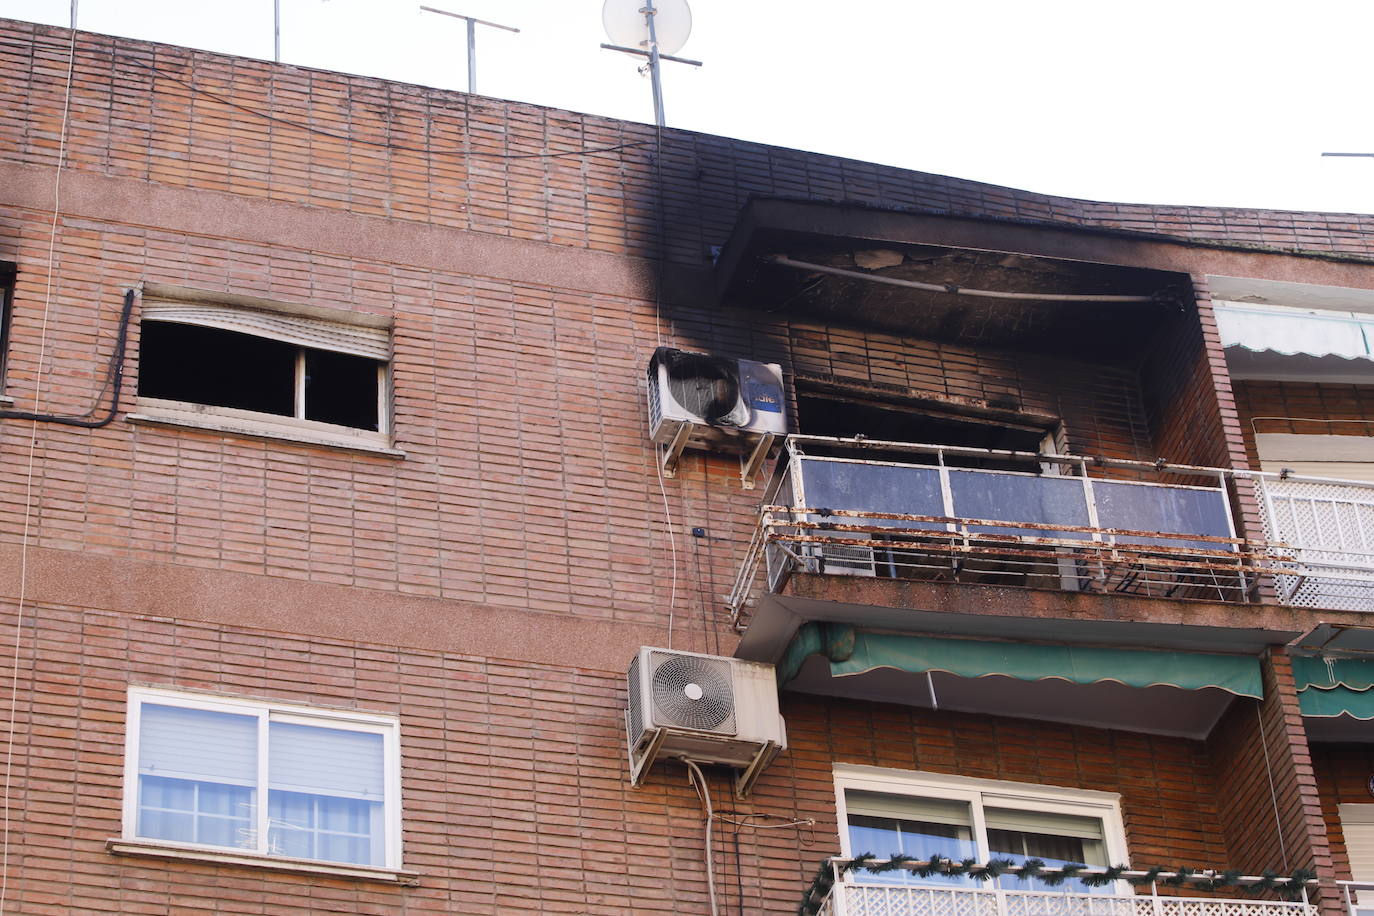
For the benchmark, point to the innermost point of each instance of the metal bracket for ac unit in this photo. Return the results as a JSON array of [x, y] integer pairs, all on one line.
[[650, 755], [751, 462], [669, 454], [745, 779]]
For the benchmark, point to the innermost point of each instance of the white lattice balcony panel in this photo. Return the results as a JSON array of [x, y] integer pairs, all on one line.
[[864, 899], [1327, 529]]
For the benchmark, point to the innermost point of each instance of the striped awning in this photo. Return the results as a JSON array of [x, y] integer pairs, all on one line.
[[853, 652], [1330, 687], [1294, 331]]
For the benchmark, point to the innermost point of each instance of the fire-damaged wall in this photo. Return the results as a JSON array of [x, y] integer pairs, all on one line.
[[488, 579]]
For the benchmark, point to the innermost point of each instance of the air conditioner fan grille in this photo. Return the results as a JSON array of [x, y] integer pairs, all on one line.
[[691, 692]]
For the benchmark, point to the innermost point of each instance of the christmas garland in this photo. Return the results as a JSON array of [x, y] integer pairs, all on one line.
[[1288, 886]]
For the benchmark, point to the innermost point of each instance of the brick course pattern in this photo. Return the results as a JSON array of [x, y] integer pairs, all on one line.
[[160, 114], [1274, 407], [515, 797], [527, 483]]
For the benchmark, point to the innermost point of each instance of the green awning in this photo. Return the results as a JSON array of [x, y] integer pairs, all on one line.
[[1329, 687], [852, 652]]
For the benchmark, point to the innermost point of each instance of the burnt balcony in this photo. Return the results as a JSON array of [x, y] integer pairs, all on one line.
[[958, 515]]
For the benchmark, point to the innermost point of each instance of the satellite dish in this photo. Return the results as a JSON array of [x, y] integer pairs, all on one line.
[[626, 24]]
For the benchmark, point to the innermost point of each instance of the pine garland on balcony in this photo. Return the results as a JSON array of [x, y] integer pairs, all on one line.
[[1288, 886]]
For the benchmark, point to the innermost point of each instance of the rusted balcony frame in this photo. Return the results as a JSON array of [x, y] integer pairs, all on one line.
[[791, 528]]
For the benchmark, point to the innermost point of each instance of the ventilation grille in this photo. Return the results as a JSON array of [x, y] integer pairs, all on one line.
[[845, 559], [655, 402], [693, 692], [635, 720]]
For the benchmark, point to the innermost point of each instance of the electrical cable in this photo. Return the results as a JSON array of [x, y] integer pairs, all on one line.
[[26, 530], [1273, 792], [380, 144], [660, 234], [114, 377], [698, 781]]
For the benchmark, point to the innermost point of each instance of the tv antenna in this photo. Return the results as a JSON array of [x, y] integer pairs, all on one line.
[[656, 29], [473, 23]]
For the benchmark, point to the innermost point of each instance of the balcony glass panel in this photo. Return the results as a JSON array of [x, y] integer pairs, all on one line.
[[1013, 497], [1173, 510], [899, 489]]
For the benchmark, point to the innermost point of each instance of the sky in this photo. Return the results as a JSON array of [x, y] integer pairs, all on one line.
[[1206, 102]]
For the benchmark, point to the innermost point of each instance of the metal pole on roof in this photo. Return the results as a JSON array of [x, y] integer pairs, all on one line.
[[276, 29], [74, 2], [473, 23], [654, 75]]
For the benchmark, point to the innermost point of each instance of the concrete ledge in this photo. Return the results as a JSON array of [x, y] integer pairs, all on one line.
[[86, 580], [175, 852], [246, 430]]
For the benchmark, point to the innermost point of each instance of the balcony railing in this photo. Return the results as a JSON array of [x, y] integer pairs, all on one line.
[[1352, 892], [848, 896], [1328, 528], [859, 899], [1056, 528]]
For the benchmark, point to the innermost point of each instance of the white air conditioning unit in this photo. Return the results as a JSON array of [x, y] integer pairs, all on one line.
[[715, 403], [704, 708]]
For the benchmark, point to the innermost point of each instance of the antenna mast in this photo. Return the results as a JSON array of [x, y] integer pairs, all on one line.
[[473, 23], [638, 30]]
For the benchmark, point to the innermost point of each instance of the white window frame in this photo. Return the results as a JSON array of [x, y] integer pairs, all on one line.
[[386, 726], [981, 793], [296, 428]]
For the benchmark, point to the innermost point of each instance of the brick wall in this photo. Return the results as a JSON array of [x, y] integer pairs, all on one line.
[[1259, 401], [1181, 393], [499, 757], [528, 478], [158, 113], [1343, 774], [1268, 804]]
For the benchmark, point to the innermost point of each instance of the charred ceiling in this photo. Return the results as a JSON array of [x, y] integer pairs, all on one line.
[[849, 281]]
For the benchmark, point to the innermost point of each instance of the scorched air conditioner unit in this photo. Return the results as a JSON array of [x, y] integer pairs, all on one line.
[[716, 403]]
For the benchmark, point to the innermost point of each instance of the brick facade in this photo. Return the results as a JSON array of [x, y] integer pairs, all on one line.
[[1303, 408], [506, 763], [489, 587]]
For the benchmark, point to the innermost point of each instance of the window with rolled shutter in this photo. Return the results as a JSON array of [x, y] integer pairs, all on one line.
[[275, 781]]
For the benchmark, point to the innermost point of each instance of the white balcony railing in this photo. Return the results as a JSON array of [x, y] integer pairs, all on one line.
[[1353, 891], [859, 899], [1327, 529], [840, 890]]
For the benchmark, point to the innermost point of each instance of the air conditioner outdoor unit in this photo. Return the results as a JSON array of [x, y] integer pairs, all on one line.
[[704, 708], [716, 403]]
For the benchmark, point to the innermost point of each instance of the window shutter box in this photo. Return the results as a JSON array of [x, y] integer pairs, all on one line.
[[200, 744], [325, 761], [355, 340]]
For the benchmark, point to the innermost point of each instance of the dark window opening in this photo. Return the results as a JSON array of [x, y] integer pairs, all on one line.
[[826, 414], [7, 277], [218, 368], [341, 388]]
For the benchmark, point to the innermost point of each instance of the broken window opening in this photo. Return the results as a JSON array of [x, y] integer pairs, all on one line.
[[822, 413], [7, 281], [231, 369]]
